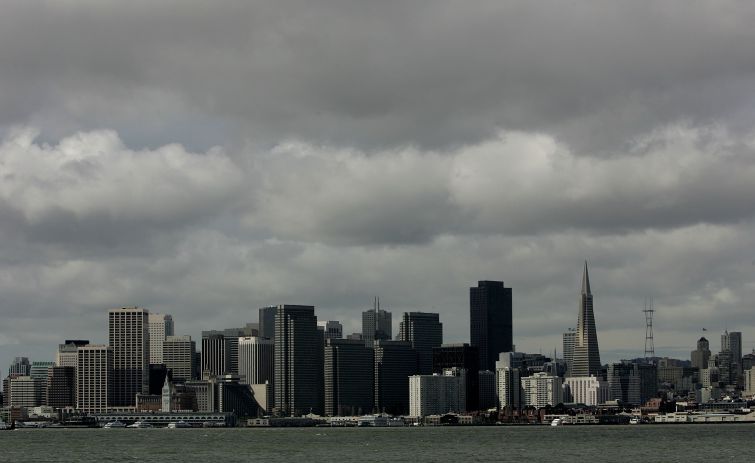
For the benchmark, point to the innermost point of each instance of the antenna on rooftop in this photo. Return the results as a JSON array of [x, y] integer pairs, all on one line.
[[649, 344]]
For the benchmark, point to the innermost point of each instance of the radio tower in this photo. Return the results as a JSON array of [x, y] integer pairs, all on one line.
[[649, 345]]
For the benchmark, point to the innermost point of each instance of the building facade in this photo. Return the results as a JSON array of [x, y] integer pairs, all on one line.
[[94, 378], [61, 387], [436, 394], [395, 361], [490, 321], [624, 382], [160, 326], [376, 324], [256, 360], [128, 336], [349, 378], [423, 331], [540, 390], [462, 356], [590, 390], [267, 322], [179, 356]]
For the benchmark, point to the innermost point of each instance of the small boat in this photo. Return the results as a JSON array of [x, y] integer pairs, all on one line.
[[140, 425], [114, 424], [557, 422], [178, 425], [634, 421]]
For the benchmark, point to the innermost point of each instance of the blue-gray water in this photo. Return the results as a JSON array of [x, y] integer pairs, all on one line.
[[664, 443]]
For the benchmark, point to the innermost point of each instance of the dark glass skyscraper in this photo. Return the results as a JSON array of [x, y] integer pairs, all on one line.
[[395, 361], [349, 377], [490, 328], [267, 322], [423, 331]]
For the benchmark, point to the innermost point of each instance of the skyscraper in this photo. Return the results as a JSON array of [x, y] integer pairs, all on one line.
[[462, 356], [66, 355], [129, 338], [624, 382], [298, 361], [230, 350], [94, 378], [61, 387], [568, 346], [216, 354], [267, 322], [395, 361], [333, 329], [376, 324], [490, 315], [20, 367], [732, 342], [349, 378], [160, 326], [178, 357], [701, 355], [586, 360], [422, 331], [256, 360]]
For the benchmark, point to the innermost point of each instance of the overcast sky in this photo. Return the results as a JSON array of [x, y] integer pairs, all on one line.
[[205, 159]]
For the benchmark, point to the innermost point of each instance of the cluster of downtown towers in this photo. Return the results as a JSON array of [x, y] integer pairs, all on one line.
[[296, 366]]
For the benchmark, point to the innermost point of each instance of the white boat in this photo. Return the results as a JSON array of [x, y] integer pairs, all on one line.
[[634, 421], [178, 425], [140, 425], [557, 422], [114, 424]]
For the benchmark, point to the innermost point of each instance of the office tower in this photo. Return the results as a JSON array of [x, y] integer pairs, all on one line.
[[423, 331], [486, 390], [726, 367], [179, 357], [748, 361], [256, 360], [267, 322], [38, 370], [349, 378], [586, 360], [508, 386], [61, 387], [490, 314], [732, 342], [569, 340], [298, 361], [160, 326], [66, 355], [590, 391], [376, 324], [701, 355], [129, 339], [395, 361], [624, 382], [27, 392], [541, 389], [465, 357], [333, 329], [648, 381], [20, 367], [94, 378], [216, 354], [437, 394]]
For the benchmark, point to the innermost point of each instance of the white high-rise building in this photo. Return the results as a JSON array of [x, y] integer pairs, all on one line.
[[256, 359], [587, 390], [94, 378], [749, 382], [160, 326], [508, 387], [129, 338], [542, 389], [436, 394]]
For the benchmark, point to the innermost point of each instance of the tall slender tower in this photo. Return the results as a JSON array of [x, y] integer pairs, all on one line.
[[128, 334], [586, 359]]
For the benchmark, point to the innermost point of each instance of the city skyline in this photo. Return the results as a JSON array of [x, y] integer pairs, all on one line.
[[207, 162]]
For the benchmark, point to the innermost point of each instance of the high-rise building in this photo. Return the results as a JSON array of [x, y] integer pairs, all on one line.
[[590, 390], [648, 381], [129, 338], [490, 326], [462, 356], [586, 361], [94, 378], [349, 378], [486, 390], [66, 355], [508, 386], [395, 362], [231, 346], [27, 392], [298, 361], [216, 354], [179, 357], [437, 394], [732, 342], [541, 389], [20, 367], [267, 322], [569, 339], [38, 370], [256, 360], [160, 326], [423, 331], [624, 382], [701, 355], [376, 324], [234, 396], [61, 387], [333, 329]]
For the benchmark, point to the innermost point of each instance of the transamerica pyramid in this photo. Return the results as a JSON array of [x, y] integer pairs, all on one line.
[[586, 352]]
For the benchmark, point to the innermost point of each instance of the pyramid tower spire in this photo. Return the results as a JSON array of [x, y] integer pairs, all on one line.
[[585, 281], [586, 357]]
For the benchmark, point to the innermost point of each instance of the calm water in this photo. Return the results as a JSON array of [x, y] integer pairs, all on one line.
[[669, 443]]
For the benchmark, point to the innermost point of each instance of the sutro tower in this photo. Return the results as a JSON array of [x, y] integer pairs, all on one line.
[[649, 345]]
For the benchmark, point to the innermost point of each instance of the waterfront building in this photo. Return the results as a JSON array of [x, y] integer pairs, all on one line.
[[701, 355], [542, 389], [423, 331], [462, 356], [376, 324], [569, 340], [204, 391], [233, 396], [128, 336], [298, 361], [486, 390], [221, 357], [256, 360], [349, 377], [624, 382], [437, 394], [267, 321], [508, 386], [20, 367], [26, 391], [586, 358], [94, 378], [395, 361], [179, 356], [490, 321], [159, 326], [61, 387], [749, 376], [589, 390]]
